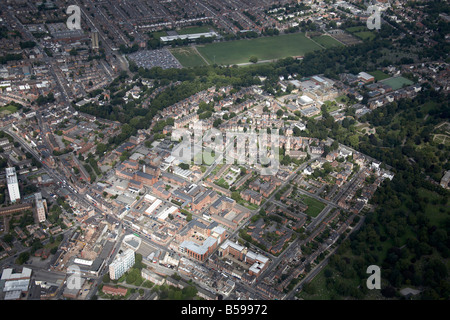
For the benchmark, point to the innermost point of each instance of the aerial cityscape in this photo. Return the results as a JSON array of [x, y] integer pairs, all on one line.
[[235, 150]]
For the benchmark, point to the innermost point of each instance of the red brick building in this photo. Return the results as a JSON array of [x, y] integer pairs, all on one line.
[[114, 291]]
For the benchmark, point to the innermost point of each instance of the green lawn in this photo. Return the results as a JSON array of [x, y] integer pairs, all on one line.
[[361, 32], [7, 109], [159, 34], [379, 75], [265, 48], [196, 29], [356, 29], [222, 183], [343, 99], [327, 41], [363, 35], [314, 206], [331, 105], [188, 57], [51, 245]]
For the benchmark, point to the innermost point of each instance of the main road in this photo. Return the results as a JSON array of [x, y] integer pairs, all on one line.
[[53, 173]]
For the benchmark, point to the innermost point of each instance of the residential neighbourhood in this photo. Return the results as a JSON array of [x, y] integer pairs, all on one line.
[[163, 151]]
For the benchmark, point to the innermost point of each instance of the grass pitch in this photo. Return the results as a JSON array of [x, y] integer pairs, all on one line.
[[188, 57], [327, 41], [379, 75], [397, 82], [265, 48]]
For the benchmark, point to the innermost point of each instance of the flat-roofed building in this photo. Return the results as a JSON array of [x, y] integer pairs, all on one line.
[[121, 264], [14, 284], [191, 36], [152, 277], [235, 249], [256, 261], [94, 40], [13, 184], [199, 251], [41, 207], [305, 101], [365, 77]]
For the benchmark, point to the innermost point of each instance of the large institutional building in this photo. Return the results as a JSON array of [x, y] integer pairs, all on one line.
[[13, 185], [198, 241], [256, 262]]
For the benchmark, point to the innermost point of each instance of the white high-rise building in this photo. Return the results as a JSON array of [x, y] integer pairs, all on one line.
[[121, 264], [13, 185]]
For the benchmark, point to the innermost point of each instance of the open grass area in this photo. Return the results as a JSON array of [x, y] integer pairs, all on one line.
[[5, 110], [195, 29], [222, 183], [331, 105], [159, 34], [317, 289], [356, 29], [361, 32], [264, 48], [363, 35], [314, 206], [379, 75], [343, 99], [327, 41], [188, 57]]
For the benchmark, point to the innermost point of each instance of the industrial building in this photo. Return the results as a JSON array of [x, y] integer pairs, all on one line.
[[13, 285], [192, 36], [94, 40]]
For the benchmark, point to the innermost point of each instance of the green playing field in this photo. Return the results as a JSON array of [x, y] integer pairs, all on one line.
[[188, 57], [264, 48]]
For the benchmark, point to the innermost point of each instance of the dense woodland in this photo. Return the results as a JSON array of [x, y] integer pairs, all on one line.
[[408, 232]]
